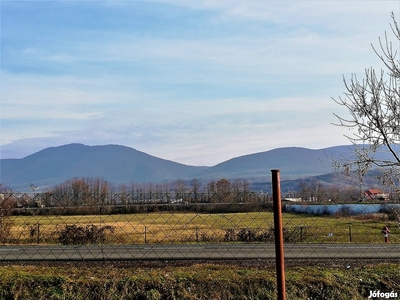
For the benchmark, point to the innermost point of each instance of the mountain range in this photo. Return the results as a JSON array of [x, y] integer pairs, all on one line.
[[121, 164]]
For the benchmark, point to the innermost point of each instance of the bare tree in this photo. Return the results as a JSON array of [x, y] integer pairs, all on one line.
[[195, 183], [373, 104], [224, 190]]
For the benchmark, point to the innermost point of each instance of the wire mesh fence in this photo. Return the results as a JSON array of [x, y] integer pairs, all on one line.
[[51, 227]]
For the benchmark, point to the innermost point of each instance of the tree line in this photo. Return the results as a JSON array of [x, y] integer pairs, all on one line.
[[95, 194]]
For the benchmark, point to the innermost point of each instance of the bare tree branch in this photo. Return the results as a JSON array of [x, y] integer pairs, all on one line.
[[373, 104]]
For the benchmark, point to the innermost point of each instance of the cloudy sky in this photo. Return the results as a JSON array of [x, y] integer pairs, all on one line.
[[197, 82]]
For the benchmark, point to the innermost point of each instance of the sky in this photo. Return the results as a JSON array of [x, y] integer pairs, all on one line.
[[197, 82]]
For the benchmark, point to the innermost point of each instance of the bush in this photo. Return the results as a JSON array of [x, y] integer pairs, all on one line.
[[248, 235], [294, 234], [6, 222], [79, 235], [393, 212], [344, 211], [5, 228]]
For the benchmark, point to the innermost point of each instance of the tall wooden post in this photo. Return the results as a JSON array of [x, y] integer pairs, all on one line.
[[280, 259]]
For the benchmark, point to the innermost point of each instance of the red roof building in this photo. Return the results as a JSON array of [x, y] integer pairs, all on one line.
[[376, 195]]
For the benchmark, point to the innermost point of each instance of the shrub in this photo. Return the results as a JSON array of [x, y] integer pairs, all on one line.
[[79, 235], [6, 222], [392, 212], [294, 234], [248, 235], [344, 211], [5, 228]]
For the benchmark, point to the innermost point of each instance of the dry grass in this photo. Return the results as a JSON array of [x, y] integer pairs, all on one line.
[[196, 281], [191, 227]]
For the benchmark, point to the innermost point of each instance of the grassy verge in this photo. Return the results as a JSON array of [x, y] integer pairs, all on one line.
[[195, 281]]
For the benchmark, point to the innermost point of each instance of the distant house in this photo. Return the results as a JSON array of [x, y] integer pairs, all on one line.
[[376, 195], [289, 197], [292, 199]]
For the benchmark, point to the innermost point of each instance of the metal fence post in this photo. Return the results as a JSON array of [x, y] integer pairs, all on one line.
[[351, 239], [280, 260], [38, 233], [301, 233]]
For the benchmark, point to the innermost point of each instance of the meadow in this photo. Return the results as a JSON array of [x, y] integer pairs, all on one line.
[[176, 227]]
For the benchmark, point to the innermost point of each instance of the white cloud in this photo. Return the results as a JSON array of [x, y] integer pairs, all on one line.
[[291, 12], [244, 76]]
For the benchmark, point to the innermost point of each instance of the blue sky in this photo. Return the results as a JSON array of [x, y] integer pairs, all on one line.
[[197, 82]]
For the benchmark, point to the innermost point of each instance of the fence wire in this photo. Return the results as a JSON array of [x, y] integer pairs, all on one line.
[[90, 227]]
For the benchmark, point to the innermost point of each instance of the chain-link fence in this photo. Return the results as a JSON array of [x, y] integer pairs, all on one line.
[[46, 227]]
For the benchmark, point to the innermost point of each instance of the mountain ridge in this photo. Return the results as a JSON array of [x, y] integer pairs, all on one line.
[[121, 164], [118, 164]]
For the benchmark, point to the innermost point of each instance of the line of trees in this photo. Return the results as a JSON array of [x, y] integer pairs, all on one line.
[[97, 191], [97, 195]]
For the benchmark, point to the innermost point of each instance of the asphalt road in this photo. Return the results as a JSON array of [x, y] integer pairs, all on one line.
[[209, 251]]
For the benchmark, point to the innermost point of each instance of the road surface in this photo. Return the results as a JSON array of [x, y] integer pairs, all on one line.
[[209, 251]]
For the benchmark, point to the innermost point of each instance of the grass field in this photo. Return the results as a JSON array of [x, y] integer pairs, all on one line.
[[169, 227], [195, 281]]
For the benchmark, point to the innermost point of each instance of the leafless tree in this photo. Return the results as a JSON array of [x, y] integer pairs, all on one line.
[[196, 184], [224, 190], [373, 104]]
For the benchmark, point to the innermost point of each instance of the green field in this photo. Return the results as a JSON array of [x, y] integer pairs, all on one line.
[[169, 227]]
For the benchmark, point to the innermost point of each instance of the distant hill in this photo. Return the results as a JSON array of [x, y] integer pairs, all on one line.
[[293, 162], [120, 164], [117, 164]]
